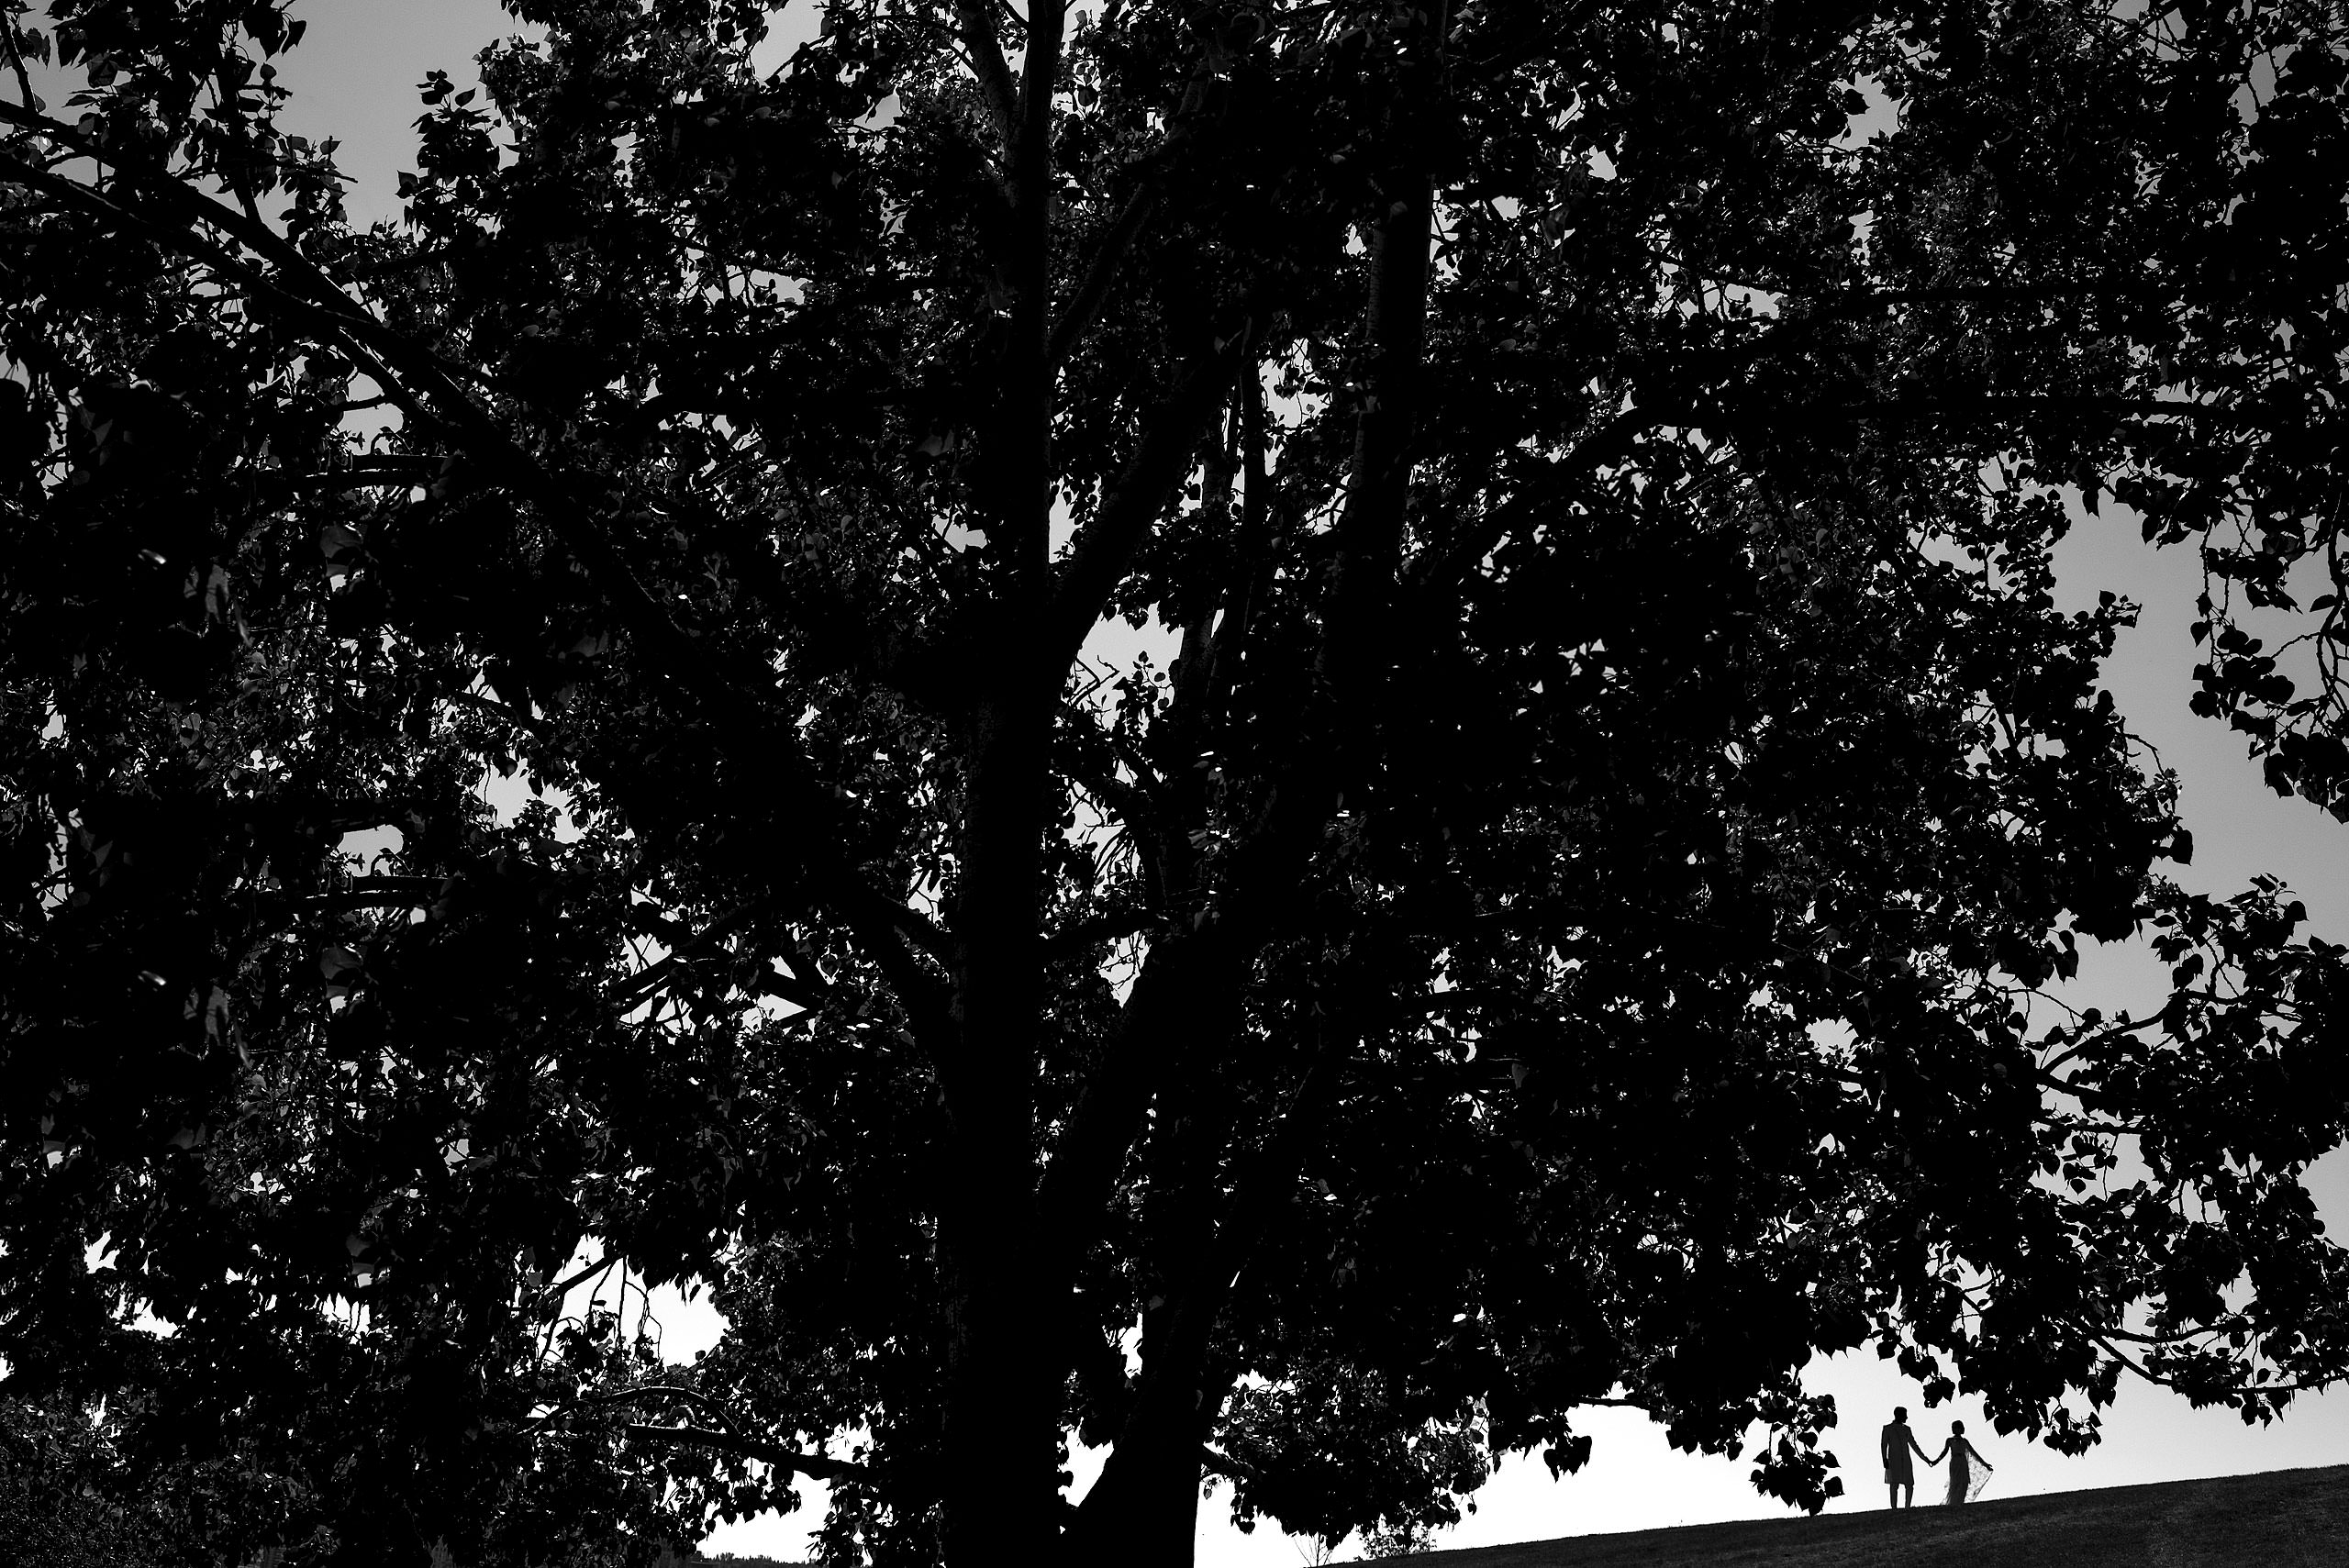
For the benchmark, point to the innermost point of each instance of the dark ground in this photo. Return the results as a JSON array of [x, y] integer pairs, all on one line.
[[2287, 1518]]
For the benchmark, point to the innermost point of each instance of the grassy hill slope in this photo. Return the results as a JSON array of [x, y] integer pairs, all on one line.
[[2285, 1518]]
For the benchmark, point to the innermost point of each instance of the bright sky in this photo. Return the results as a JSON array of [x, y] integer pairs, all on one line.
[[354, 77]]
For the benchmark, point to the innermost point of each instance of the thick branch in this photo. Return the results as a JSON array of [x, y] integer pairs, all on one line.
[[1073, 1199], [1101, 554], [1167, 1409], [985, 51], [1039, 78], [1256, 550], [1370, 530], [1166, 1417]]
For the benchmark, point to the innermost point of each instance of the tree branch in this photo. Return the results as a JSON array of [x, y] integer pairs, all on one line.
[[876, 923], [530, 724], [1039, 77], [377, 892], [2000, 407], [1101, 554], [1370, 527], [985, 51], [1082, 306], [568, 516], [917, 928], [1080, 934], [732, 1439], [815, 1466], [1257, 547], [1073, 1197], [1223, 1465], [650, 978], [693, 1397], [1439, 571], [1167, 1401], [17, 64], [562, 1288]]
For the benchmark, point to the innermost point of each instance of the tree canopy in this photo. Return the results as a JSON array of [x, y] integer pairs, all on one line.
[[1583, 916]]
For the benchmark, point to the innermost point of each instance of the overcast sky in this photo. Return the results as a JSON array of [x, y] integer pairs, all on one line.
[[356, 78]]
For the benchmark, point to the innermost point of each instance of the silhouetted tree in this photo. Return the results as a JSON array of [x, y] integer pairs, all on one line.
[[1577, 922]]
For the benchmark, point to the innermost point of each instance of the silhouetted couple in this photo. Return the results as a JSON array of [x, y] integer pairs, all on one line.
[[1898, 1443]]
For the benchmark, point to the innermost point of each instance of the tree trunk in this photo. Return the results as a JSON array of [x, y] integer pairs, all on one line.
[[1153, 1519], [1144, 1509], [1001, 1487], [1002, 1442]]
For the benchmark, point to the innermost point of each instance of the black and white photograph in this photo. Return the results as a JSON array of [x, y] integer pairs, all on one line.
[[1174, 784]]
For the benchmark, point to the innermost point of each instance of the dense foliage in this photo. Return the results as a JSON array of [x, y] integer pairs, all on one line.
[[1582, 918]]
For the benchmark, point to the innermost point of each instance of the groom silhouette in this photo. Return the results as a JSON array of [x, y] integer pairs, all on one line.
[[1898, 1443]]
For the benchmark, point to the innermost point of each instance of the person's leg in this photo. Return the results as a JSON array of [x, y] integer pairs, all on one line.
[[1894, 1487]]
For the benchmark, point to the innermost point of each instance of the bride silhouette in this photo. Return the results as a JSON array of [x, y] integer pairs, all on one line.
[[1965, 1482]]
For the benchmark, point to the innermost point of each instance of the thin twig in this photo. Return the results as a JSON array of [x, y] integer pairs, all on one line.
[[17, 64]]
